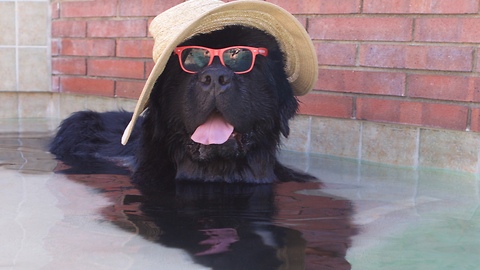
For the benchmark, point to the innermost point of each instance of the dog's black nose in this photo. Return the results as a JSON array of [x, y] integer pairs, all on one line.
[[215, 78]]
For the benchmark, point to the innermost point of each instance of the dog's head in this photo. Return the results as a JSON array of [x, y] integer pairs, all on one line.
[[218, 118]]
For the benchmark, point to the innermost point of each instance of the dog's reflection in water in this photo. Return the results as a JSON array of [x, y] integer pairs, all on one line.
[[221, 226], [227, 226]]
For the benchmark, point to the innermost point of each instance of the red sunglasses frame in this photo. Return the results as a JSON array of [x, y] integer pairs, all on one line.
[[219, 52]]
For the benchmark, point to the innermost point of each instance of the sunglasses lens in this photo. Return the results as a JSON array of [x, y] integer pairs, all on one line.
[[194, 59], [238, 59]]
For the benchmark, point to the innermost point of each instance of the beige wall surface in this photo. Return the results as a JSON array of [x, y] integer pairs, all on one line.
[[25, 46]]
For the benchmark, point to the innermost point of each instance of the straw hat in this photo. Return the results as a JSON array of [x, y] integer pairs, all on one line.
[[193, 17]]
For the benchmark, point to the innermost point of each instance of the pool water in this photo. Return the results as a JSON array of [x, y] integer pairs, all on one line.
[[357, 216]]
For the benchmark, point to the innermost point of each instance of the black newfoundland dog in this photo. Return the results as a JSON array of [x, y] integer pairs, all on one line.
[[210, 126]]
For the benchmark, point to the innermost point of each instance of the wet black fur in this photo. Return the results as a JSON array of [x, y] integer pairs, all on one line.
[[258, 104]]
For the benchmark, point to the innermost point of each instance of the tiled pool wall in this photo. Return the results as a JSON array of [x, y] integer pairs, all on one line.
[[26, 92], [395, 144], [25, 46]]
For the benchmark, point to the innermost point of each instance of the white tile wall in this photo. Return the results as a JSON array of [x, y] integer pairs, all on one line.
[[25, 46]]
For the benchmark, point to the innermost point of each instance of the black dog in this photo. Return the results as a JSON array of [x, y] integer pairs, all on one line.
[[258, 104]]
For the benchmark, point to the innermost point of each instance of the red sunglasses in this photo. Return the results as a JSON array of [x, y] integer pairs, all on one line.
[[240, 59]]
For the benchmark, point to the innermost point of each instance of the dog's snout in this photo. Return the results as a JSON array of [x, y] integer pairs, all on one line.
[[215, 79]]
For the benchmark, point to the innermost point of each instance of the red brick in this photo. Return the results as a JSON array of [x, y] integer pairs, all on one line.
[[448, 29], [459, 88], [117, 28], [149, 21], [96, 8], [326, 105], [474, 83], [417, 57], [132, 69], [71, 28], [129, 89], [421, 6], [72, 66], [148, 67], [336, 54], [55, 84], [145, 7], [87, 86], [348, 81], [478, 60], [319, 6], [55, 10], [87, 47], [413, 113], [355, 28], [475, 120], [302, 19], [55, 46], [135, 48]]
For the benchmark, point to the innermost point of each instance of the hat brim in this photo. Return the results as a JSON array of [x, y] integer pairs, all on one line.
[[301, 62]]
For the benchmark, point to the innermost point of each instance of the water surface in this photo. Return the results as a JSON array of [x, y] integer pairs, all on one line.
[[358, 216]]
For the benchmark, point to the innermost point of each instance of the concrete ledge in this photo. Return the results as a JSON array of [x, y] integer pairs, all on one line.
[[399, 145], [56, 105]]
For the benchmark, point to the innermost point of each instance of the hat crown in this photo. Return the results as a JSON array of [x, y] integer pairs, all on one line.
[[176, 20]]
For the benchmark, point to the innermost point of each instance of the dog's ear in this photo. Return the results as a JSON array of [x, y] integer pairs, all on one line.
[[287, 102], [159, 104], [153, 113], [288, 108]]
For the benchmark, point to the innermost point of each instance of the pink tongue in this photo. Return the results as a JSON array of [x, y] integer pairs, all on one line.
[[216, 130]]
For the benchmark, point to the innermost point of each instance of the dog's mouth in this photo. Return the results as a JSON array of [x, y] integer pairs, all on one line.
[[215, 130], [217, 138]]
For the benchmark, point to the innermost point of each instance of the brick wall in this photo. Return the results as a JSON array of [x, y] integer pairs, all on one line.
[[410, 62], [103, 47]]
